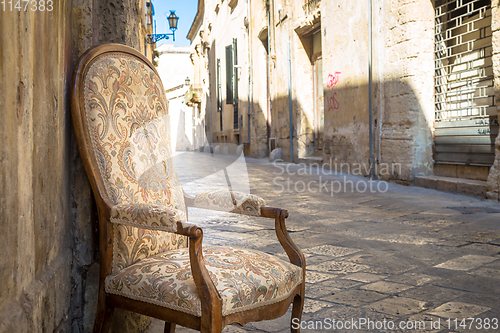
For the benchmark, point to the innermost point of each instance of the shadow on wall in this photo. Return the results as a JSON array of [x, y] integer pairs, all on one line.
[[402, 129]]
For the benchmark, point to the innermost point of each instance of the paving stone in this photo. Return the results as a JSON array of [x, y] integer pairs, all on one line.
[[312, 306], [458, 310], [432, 295], [397, 306], [466, 262], [314, 277], [331, 250], [354, 297], [415, 279], [329, 287], [364, 277], [487, 300], [475, 284], [314, 259], [487, 272], [339, 267], [386, 287]]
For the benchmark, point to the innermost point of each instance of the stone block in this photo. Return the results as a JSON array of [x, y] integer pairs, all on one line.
[[473, 172], [473, 189], [276, 154], [446, 170], [426, 182], [447, 185]]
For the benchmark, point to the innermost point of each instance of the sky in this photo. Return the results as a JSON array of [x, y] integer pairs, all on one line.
[[184, 9]]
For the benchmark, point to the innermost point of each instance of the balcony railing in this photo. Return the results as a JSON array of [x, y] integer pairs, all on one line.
[[311, 6]]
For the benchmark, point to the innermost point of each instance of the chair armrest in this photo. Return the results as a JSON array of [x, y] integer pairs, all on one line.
[[229, 201], [155, 217], [152, 217], [293, 252]]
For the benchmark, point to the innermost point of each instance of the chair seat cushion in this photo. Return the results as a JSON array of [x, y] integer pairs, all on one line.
[[245, 279]]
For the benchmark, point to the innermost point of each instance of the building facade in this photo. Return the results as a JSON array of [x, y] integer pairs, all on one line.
[[394, 89]]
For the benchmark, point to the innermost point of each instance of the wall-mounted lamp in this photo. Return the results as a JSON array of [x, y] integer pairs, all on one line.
[[172, 22], [187, 81]]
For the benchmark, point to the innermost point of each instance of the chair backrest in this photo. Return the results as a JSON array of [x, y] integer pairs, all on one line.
[[123, 133]]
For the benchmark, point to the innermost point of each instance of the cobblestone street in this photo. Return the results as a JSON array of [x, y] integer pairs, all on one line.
[[407, 255]]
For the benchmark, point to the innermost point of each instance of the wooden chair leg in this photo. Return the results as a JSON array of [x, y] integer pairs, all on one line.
[[103, 317], [169, 327], [298, 305]]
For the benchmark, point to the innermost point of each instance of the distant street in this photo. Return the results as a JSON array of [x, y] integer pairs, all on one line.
[[391, 261]]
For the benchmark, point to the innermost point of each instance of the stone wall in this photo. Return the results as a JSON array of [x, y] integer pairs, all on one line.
[[49, 242], [403, 87]]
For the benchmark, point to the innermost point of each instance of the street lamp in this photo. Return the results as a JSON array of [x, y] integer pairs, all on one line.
[[172, 22]]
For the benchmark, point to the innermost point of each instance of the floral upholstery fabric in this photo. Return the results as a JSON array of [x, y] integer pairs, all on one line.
[[128, 122], [134, 244], [230, 201], [145, 215], [245, 279]]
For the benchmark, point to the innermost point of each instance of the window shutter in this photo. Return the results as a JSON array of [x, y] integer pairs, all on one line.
[[229, 74], [219, 95]]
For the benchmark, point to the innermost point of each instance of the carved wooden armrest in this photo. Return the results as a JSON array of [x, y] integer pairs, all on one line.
[[227, 201], [293, 252], [147, 216]]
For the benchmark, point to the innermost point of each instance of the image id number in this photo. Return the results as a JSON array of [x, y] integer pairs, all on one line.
[[27, 5], [473, 323]]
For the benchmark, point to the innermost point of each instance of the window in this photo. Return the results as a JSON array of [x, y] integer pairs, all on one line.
[[229, 74], [219, 95], [235, 86]]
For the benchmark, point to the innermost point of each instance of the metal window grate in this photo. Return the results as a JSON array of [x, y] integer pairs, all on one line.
[[465, 113], [463, 63]]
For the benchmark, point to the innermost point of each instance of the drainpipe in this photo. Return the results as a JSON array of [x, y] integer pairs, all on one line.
[[250, 63], [372, 169], [290, 99]]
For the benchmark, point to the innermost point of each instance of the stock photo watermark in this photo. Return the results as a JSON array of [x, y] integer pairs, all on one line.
[[286, 183], [369, 324]]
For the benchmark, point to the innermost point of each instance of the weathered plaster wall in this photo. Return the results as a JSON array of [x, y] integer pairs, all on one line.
[[258, 146], [48, 240], [345, 40], [404, 87]]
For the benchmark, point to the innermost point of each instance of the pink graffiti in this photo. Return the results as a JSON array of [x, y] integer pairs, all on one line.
[[332, 102], [333, 79]]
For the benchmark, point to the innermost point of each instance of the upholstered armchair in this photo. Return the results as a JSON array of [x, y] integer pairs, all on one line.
[[151, 259]]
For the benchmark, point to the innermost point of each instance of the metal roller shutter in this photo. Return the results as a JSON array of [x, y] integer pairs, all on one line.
[[466, 124]]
